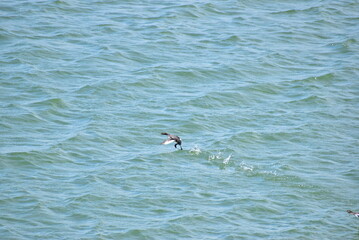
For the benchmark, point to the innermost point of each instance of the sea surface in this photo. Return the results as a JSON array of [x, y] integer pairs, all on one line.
[[264, 95]]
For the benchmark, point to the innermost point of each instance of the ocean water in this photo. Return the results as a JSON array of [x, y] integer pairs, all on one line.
[[264, 95]]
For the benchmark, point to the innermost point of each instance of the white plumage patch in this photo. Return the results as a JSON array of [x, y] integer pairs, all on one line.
[[168, 141]]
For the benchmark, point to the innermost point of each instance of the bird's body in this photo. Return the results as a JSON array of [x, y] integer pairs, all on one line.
[[353, 213], [171, 139]]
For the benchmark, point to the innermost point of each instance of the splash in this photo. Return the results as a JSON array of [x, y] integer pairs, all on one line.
[[246, 167], [226, 160], [215, 156], [219, 156], [196, 150]]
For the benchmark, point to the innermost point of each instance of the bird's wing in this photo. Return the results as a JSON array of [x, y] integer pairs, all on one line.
[[175, 137], [168, 141]]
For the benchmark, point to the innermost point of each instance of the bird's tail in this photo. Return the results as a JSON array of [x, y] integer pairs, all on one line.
[[164, 133]]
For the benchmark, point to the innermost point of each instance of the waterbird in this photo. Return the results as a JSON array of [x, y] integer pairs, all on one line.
[[172, 138], [353, 213]]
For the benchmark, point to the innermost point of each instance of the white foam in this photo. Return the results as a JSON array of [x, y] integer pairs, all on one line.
[[215, 156], [196, 150], [226, 160], [246, 167]]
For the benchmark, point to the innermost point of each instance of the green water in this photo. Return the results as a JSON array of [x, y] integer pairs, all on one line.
[[264, 95]]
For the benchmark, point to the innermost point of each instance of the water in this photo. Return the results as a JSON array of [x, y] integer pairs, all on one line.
[[264, 95]]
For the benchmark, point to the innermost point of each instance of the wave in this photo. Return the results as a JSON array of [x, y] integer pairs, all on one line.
[[306, 10]]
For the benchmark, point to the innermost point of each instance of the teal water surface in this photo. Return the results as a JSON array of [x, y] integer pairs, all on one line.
[[264, 95]]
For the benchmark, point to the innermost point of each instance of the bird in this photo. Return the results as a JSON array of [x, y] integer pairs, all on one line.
[[172, 138], [353, 213]]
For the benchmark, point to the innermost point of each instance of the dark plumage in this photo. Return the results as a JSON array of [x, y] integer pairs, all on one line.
[[171, 139], [353, 213]]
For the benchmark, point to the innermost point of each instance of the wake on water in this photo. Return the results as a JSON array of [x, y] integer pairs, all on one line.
[[220, 158], [217, 156]]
